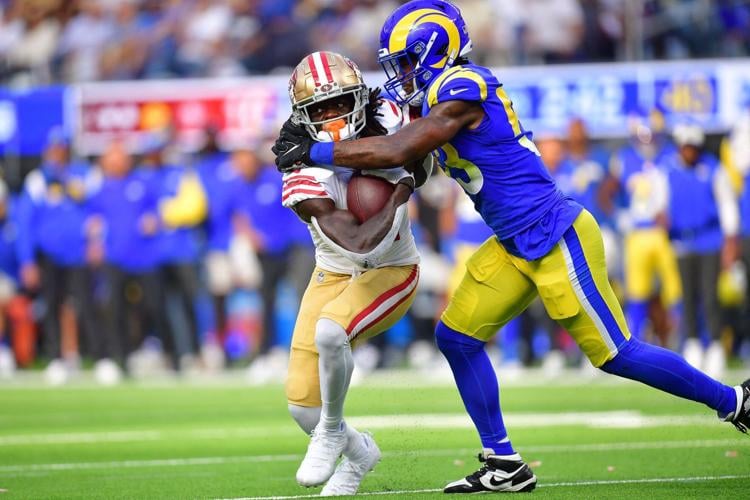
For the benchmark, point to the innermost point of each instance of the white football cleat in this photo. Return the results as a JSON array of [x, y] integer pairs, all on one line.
[[715, 361], [693, 353], [7, 363], [352, 469], [56, 372], [322, 454], [106, 372]]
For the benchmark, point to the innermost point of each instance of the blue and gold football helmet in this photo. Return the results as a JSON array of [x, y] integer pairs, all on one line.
[[420, 40]]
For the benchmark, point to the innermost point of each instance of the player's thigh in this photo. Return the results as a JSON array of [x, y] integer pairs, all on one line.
[[668, 270], [639, 265], [462, 255], [373, 301], [303, 383], [492, 292], [575, 289]]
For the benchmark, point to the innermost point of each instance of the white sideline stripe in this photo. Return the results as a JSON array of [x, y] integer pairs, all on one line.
[[603, 482], [136, 436], [610, 419], [607, 419], [81, 437], [180, 462]]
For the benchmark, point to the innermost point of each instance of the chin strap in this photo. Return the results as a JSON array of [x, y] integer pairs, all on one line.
[[370, 259]]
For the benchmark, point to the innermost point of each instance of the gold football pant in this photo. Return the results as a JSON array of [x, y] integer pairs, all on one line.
[[571, 280], [364, 305], [649, 255]]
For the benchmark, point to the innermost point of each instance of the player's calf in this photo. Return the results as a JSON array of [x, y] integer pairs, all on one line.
[[499, 474]]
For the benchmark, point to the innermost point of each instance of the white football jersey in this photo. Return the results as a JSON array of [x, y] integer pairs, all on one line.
[[331, 182]]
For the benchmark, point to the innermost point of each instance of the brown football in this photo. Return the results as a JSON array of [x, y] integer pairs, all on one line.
[[366, 195]]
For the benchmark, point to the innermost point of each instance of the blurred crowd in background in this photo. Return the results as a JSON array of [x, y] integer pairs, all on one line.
[[163, 261], [44, 41]]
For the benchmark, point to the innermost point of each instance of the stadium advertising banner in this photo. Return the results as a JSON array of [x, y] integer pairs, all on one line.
[[27, 117], [240, 111], [245, 111], [712, 93]]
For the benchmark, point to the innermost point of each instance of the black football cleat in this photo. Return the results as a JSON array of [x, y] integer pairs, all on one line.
[[741, 417], [507, 474]]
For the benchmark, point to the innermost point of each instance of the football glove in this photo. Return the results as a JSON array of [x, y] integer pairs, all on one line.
[[373, 127], [393, 175], [292, 148], [422, 170]]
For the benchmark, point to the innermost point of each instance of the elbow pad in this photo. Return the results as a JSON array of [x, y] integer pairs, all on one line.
[[372, 258]]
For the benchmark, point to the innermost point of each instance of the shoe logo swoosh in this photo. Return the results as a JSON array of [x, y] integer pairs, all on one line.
[[457, 91], [495, 482]]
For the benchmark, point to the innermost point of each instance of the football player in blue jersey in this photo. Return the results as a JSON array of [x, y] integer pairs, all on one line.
[[544, 243], [704, 223]]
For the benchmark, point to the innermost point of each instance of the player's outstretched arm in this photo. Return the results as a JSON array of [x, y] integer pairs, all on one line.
[[295, 149], [411, 143], [344, 229]]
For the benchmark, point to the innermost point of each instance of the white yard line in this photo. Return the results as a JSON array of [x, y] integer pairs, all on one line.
[[542, 485], [467, 452], [80, 437], [607, 419]]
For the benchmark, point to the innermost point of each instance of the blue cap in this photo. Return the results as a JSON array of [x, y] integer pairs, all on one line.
[[57, 136]]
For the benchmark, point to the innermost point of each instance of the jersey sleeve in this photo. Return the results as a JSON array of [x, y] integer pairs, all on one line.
[[305, 184], [389, 115], [458, 84]]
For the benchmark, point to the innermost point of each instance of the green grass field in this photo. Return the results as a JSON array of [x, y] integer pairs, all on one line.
[[221, 439]]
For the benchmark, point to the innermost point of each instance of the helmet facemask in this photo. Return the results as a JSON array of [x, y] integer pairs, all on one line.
[[339, 128], [404, 70]]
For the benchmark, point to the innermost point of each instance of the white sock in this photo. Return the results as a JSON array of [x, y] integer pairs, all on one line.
[[335, 365], [306, 417]]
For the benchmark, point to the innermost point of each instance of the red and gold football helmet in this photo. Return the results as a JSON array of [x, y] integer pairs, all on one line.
[[322, 76]]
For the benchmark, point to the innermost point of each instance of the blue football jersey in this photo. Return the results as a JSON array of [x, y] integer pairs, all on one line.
[[499, 167]]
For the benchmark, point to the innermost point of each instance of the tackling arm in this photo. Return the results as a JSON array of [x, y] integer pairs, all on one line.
[[413, 142]]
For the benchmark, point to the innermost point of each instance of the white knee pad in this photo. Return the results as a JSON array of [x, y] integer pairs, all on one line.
[[306, 417], [329, 336]]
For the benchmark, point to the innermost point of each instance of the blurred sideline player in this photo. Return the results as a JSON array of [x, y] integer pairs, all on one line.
[[735, 157], [365, 277], [545, 243], [16, 322], [637, 171], [586, 166], [703, 225]]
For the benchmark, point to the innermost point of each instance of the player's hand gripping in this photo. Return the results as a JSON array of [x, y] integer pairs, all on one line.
[[292, 148]]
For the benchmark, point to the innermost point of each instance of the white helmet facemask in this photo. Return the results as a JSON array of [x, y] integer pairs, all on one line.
[[339, 128]]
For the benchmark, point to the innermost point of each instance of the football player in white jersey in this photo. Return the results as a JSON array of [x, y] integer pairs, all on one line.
[[365, 277]]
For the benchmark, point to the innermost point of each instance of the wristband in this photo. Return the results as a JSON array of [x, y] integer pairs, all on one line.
[[321, 153]]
